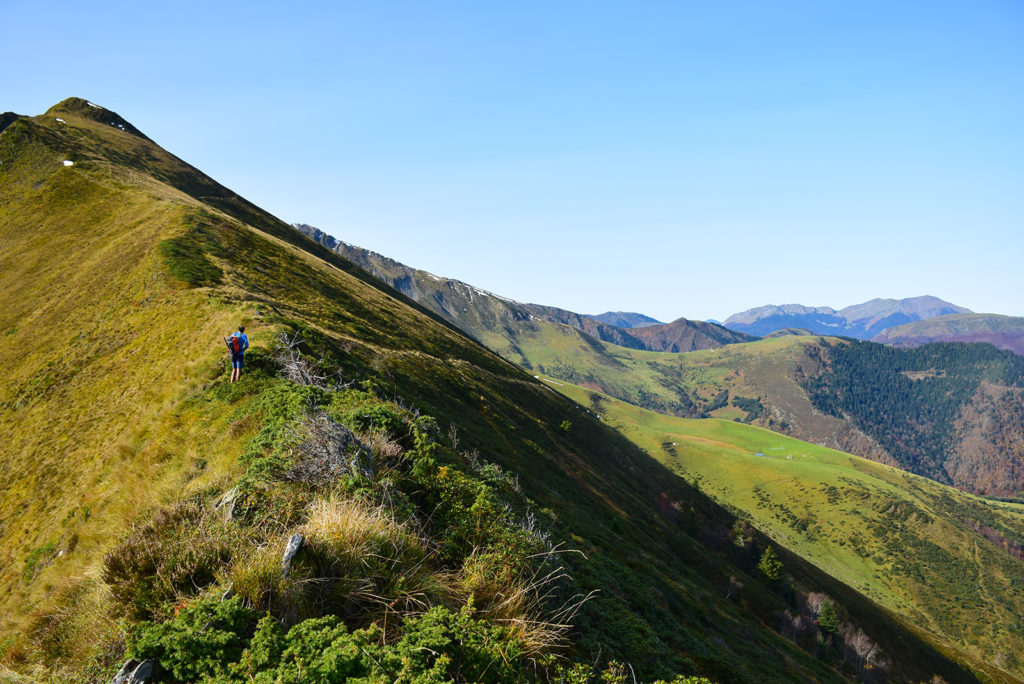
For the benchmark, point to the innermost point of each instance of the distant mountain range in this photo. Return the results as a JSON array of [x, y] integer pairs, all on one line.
[[860, 321], [499, 323]]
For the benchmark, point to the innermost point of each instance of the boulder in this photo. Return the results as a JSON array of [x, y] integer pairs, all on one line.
[[294, 544]]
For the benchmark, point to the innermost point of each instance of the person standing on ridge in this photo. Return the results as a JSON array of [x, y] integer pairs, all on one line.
[[237, 344]]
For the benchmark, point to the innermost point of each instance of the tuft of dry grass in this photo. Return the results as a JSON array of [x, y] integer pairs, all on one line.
[[368, 559], [356, 560], [522, 599]]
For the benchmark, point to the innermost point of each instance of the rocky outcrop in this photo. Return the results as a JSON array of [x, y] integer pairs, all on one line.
[[135, 672]]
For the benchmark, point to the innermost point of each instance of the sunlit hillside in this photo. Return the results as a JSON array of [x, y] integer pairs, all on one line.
[[459, 520]]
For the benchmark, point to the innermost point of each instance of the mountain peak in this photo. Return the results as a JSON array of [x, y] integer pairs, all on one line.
[[859, 320], [90, 110]]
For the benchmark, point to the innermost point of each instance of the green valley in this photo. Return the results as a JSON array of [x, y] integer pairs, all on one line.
[[946, 560]]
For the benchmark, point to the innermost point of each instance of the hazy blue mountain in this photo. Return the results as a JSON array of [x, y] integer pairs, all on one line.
[[861, 321]]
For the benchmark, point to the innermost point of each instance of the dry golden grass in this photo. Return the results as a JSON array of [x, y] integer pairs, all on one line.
[[356, 560], [521, 599]]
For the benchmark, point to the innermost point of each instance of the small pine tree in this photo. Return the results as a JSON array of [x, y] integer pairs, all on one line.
[[828, 621], [770, 565]]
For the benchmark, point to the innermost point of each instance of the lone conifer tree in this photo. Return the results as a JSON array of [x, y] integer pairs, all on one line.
[[827, 618], [770, 565]]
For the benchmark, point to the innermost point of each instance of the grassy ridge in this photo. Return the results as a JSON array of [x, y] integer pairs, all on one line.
[[905, 541], [98, 345], [121, 419]]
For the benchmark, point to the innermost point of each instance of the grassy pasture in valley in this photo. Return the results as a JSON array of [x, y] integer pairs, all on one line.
[[905, 541]]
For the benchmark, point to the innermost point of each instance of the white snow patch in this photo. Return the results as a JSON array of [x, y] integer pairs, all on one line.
[[554, 383], [434, 277], [60, 120], [68, 162], [93, 105], [485, 293]]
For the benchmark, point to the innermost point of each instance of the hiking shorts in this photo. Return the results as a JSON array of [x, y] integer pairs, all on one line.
[[236, 360]]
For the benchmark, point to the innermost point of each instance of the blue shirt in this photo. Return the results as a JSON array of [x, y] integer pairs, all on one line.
[[245, 341]]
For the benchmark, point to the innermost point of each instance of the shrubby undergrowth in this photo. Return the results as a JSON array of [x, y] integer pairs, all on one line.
[[419, 562]]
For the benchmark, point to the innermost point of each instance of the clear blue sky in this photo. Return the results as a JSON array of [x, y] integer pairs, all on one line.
[[673, 158]]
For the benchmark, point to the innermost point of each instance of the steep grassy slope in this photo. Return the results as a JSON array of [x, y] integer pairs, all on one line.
[[1004, 332], [122, 432], [945, 560]]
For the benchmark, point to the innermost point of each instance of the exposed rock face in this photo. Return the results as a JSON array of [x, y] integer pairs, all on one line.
[[226, 503], [317, 234]]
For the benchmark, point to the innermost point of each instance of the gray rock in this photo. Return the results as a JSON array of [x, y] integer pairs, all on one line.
[[227, 593], [134, 672], [126, 671], [143, 673], [294, 544]]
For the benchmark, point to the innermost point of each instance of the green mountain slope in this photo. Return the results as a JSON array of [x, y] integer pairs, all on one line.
[[949, 412], [946, 560], [480, 494]]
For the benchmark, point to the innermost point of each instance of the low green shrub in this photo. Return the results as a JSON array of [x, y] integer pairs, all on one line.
[[199, 643]]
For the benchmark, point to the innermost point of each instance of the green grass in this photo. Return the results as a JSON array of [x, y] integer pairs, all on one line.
[[116, 407], [903, 540]]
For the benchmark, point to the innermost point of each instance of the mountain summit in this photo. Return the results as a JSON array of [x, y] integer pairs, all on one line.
[[861, 321]]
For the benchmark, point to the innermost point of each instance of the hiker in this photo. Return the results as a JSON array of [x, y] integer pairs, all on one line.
[[237, 344]]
